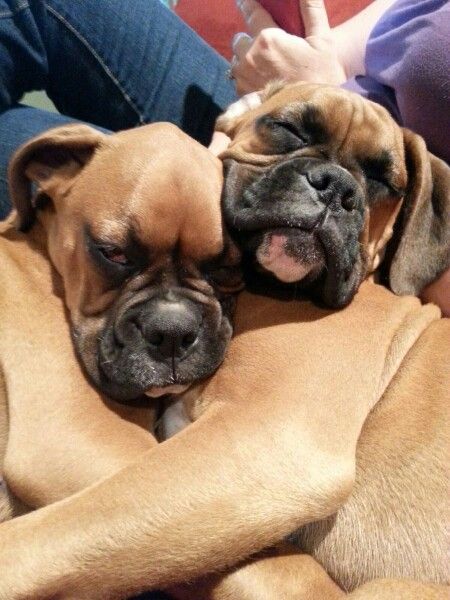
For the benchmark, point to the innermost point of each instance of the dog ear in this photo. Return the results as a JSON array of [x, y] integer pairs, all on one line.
[[421, 242], [47, 165]]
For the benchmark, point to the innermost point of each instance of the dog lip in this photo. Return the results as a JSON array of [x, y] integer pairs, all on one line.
[[253, 226], [247, 222], [116, 392], [289, 226], [274, 256], [158, 392]]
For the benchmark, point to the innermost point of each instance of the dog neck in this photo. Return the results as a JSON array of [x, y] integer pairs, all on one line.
[[34, 250]]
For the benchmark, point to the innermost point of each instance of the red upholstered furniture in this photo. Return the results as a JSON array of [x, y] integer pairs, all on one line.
[[218, 20]]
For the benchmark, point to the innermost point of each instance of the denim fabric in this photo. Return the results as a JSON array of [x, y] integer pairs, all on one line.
[[113, 63]]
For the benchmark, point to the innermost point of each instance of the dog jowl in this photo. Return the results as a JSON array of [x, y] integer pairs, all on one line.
[[132, 225], [321, 185]]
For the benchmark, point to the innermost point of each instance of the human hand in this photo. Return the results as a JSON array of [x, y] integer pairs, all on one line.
[[270, 53], [219, 143]]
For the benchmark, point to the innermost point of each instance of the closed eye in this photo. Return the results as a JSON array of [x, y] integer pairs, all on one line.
[[283, 136], [377, 170], [377, 183], [226, 278], [290, 128]]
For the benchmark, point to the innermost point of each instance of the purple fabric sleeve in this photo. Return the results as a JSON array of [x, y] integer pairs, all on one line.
[[408, 69]]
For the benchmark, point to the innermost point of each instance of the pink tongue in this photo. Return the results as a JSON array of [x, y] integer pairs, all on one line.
[[274, 259]]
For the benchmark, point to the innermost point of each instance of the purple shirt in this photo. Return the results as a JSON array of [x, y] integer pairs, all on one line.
[[408, 69]]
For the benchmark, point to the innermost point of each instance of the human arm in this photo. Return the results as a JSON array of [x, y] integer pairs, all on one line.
[[325, 55]]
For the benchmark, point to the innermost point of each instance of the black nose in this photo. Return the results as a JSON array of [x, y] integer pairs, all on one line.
[[334, 184], [170, 328]]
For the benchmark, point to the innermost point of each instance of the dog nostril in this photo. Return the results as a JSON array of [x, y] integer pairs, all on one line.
[[188, 340], [155, 338], [319, 181], [246, 200], [348, 201]]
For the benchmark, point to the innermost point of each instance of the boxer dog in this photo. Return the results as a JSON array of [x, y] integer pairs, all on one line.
[[111, 226], [321, 185], [140, 253], [272, 449]]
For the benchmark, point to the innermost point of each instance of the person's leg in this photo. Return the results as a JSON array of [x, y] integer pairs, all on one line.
[[119, 63], [112, 62]]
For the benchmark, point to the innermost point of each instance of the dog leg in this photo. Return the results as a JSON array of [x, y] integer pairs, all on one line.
[[399, 589], [300, 577], [136, 530], [62, 435], [263, 460], [283, 574], [10, 506]]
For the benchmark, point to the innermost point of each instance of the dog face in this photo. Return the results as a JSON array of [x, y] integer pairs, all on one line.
[[134, 229], [315, 178]]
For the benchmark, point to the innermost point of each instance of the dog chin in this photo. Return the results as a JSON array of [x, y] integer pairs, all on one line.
[[273, 256], [157, 392]]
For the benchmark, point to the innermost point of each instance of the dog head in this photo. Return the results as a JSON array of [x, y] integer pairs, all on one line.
[[321, 185], [133, 226]]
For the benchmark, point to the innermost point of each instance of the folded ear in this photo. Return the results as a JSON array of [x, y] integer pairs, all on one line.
[[421, 242], [50, 161]]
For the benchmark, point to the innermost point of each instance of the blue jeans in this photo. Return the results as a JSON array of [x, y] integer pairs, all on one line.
[[113, 63]]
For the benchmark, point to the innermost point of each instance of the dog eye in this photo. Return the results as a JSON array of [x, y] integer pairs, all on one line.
[[114, 254], [378, 185], [285, 135], [226, 279], [290, 128]]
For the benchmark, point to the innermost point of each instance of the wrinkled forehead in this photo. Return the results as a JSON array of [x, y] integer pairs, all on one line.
[[343, 120], [159, 187], [348, 119]]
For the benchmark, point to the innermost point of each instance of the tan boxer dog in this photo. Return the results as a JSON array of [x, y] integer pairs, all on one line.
[[321, 186], [314, 204], [134, 249], [263, 459]]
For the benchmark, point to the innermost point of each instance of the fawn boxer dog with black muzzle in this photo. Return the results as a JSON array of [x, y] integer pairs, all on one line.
[[322, 186], [137, 256], [272, 449], [137, 253]]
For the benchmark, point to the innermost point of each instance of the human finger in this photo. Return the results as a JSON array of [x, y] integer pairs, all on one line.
[[241, 44], [229, 72], [247, 78], [219, 142], [315, 17], [256, 17]]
